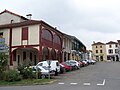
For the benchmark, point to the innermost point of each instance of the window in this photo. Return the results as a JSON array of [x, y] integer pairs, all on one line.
[[100, 46], [1, 34], [101, 51], [57, 64], [110, 46], [116, 45], [108, 57], [46, 35], [14, 55], [25, 33], [110, 51], [96, 51], [116, 50], [24, 55], [96, 46], [57, 40], [97, 57], [31, 56]]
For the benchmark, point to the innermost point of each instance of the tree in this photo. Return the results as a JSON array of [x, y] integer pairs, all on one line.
[[3, 63]]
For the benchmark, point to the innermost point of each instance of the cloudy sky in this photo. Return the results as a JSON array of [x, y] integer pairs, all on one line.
[[88, 20]]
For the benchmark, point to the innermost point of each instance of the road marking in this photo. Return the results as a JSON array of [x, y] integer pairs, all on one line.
[[61, 83], [102, 83], [86, 84], [73, 83]]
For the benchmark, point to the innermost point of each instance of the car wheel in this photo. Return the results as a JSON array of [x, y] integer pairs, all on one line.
[[56, 72]]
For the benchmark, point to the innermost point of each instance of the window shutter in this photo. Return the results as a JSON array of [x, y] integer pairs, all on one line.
[[25, 33]]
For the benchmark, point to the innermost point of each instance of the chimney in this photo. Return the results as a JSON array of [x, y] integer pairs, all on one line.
[[29, 16], [55, 27], [93, 42]]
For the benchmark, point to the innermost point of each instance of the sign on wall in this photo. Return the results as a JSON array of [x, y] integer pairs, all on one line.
[[3, 46]]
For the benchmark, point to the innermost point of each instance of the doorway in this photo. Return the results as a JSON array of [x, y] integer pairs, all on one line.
[[18, 60]]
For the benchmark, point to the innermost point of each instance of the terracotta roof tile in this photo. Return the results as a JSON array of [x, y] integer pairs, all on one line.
[[24, 23], [111, 42], [98, 43]]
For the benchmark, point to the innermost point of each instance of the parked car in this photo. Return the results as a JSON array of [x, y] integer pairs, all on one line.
[[82, 64], [76, 63], [85, 63], [52, 64], [74, 67], [92, 61], [44, 71], [62, 68], [67, 67]]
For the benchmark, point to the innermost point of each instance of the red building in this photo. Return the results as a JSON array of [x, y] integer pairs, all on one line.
[[29, 41]]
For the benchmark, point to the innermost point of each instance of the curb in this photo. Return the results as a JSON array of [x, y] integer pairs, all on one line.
[[45, 83]]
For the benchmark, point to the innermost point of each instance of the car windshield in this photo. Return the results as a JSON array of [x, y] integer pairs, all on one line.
[[73, 62], [40, 64], [46, 68]]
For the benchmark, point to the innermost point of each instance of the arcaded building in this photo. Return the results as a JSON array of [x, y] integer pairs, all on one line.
[[29, 41]]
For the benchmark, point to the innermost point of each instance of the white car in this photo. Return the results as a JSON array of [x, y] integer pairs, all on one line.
[[52, 64], [74, 62], [85, 62], [44, 71], [92, 61]]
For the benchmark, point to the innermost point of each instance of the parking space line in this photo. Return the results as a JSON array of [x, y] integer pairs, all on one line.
[[73, 83], [61, 83], [86, 84], [102, 83]]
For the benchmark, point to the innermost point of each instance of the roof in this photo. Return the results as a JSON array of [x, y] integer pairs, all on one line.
[[24, 23], [111, 42], [67, 36], [98, 43], [78, 40], [13, 14], [118, 42]]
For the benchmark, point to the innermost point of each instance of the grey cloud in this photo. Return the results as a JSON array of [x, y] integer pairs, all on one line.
[[88, 19]]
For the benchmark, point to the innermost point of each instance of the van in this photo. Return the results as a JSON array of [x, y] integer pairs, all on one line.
[[52, 64]]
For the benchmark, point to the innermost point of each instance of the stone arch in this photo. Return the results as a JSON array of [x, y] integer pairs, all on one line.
[[57, 39], [25, 56], [46, 34]]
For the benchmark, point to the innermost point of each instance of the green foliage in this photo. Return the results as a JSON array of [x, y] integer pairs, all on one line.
[[27, 82], [26, 72], [12, 75], [3, 63]]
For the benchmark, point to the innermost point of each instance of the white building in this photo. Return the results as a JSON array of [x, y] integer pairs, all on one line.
[[67, 47], [112, 51], [119, 49]]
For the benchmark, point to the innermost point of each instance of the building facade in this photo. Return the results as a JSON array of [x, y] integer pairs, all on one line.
[[78, 49], [31, 41], [112, 51], [67, 47], [89, 54], [119, 49], [73, 48], [99, 51]]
